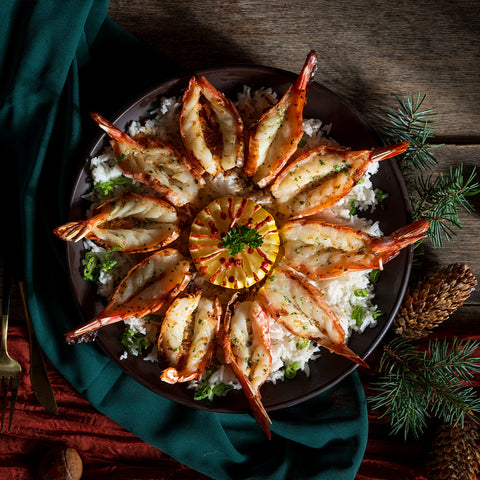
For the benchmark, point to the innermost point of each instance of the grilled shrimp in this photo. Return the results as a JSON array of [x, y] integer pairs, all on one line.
[[149, 161], [275, 136], [246, 344], [323, 176], [325, 250], [211, 128], [133, 223], [145, 289], [188, 336], [297, 305]]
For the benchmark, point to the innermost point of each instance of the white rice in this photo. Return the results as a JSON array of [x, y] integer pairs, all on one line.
[[338, 293]]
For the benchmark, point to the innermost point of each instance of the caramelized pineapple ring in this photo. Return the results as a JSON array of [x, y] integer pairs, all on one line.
[[234, 242]]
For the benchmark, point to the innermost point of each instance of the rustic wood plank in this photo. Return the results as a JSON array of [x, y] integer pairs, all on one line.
[[462, 247], [368, 50]]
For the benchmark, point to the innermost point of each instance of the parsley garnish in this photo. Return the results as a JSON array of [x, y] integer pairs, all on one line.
[[241, 235]]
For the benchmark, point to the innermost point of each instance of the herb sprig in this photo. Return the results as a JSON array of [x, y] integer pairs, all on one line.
[[239, 237]]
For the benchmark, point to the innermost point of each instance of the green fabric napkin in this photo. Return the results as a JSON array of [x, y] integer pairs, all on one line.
[[59, 60]]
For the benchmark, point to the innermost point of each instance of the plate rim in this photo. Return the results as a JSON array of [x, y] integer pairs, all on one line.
[[408, 252]]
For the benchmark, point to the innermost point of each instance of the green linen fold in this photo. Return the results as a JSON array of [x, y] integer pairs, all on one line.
[[59, 60]]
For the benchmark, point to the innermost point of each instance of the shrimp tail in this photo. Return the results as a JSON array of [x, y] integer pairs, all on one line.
[[254, 400], [308, 72], [344, 351], [113, 132], [389, 151], [172, 375], [411, 233], [73, 231], [389, 247], [85, 331]]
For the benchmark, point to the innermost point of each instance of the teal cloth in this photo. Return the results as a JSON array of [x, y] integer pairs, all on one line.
[[59, 59]]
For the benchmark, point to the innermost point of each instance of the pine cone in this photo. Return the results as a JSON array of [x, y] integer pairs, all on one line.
[[454, 454], [433, 299]]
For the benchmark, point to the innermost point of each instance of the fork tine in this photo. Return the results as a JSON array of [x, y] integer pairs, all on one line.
[[4, 391], [15, 382]]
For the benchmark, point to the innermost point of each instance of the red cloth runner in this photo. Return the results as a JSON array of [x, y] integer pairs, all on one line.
[[109, 451]]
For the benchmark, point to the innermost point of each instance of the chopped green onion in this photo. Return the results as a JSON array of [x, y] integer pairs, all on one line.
[[107, 187], [374, 275], [357, 315], [291, 370], [221, 389], [108, 263], [302, 143], [377, 313], [302, 343], [91, 269], [134, 342], [380, 195], [353, 208], [360, 292]]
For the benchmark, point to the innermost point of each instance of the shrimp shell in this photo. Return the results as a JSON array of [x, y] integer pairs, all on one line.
[[275, 136], [326, 250], [134, 223], [154, 163], [188, 336], [297, 305], [246, 344], [211, 128], [321, 177], [146, 288]]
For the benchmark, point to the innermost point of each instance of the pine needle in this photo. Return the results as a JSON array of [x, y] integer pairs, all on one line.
[[438, 199], [414, 385]]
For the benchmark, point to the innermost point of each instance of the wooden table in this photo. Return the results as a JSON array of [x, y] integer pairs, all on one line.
[[369, 51]]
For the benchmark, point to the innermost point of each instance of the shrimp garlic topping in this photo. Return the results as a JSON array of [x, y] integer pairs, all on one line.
[[231, 209]]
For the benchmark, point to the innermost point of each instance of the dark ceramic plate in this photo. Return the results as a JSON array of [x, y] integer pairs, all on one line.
[[350, 129]]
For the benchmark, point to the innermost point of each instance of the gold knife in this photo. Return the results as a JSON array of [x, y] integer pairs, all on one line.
[[42, 387]]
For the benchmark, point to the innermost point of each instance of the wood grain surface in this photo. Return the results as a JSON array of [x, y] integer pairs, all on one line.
[[369, 51]]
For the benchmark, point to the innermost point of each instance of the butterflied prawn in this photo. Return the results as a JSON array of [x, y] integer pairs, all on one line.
[[152, 162], [146, 288], [321, 177], [188, 336], [325, 250], [275, 136], [297, 304], [132, 223], [246, 344], [211, 128]]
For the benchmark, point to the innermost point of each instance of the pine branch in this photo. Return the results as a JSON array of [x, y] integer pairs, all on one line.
[[436, 199], [439, 200], [415, 385], [411, 124]]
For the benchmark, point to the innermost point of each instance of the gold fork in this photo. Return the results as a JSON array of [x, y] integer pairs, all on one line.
[[10, 369]]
